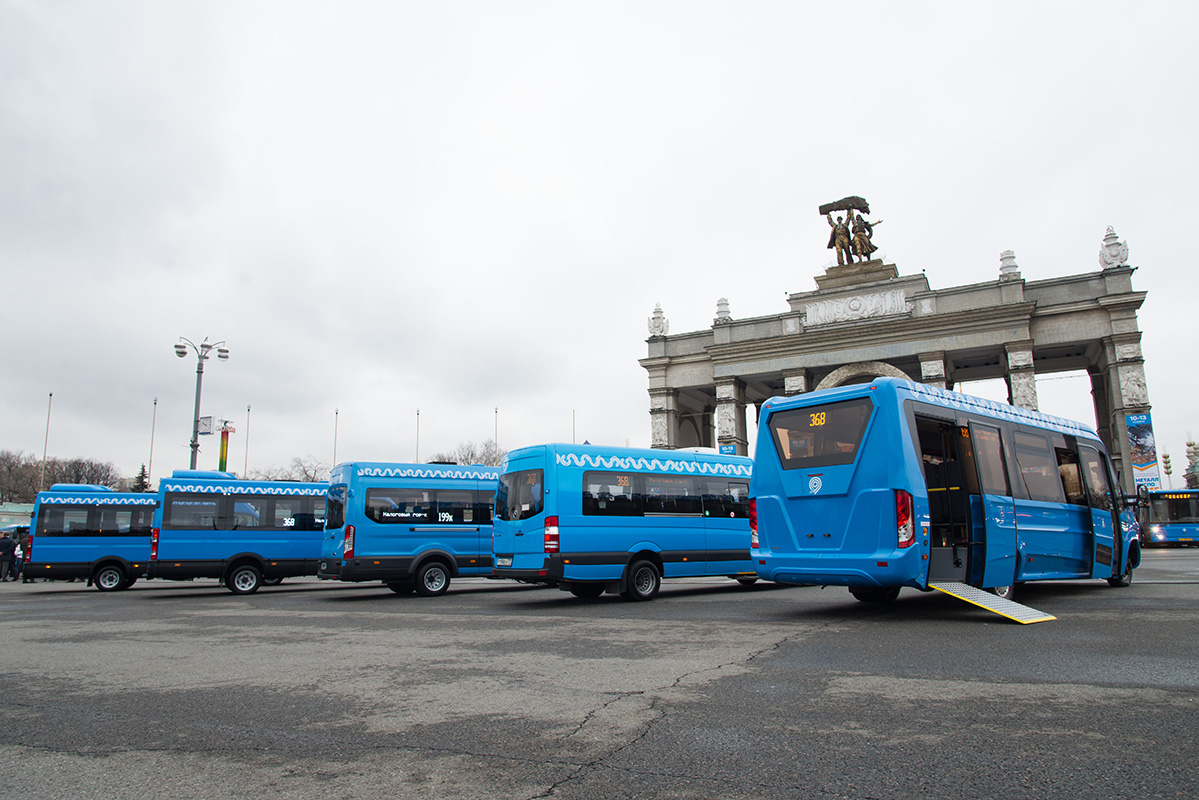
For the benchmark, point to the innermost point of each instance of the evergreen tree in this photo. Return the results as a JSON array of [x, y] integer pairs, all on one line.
[[142, 482]]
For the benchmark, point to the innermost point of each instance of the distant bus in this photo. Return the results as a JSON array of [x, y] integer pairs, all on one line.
[[244, 533], [593, 519], [893, 483], [82, 531], [411, 526], [1172, 518]]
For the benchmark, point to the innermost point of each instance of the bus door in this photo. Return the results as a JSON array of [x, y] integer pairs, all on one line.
[[943, 456], [1104, 523], [998, 510]]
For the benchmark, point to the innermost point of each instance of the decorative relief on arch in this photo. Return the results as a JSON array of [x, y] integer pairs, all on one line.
[[1133, 390], [873, 369], [863, 306]]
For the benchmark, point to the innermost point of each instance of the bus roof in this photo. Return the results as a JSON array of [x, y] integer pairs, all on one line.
[[946, 398], [201, 485], [642, 459], [385, 469]]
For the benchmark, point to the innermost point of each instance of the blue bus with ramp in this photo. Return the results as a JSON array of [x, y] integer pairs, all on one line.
[[242, 532], [414, 527], [591, 519], [896, 484], [89, 532]]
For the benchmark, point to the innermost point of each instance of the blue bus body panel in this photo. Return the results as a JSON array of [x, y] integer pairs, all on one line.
[[76, 548], [188, 552], [594, 547], [391, 551], [837, 525]]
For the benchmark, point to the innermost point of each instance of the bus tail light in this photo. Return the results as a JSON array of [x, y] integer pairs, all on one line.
[[29, 548], [753, 522], [154, 544], [348, 550], [904, 524], [551, 534]]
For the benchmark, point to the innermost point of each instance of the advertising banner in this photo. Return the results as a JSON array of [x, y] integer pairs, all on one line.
[[1143, 449]]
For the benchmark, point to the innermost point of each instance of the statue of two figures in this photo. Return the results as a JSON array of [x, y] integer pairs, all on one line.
[[851, 235]]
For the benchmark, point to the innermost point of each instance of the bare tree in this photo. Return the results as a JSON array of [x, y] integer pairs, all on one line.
[[308, 469], [486, 454]]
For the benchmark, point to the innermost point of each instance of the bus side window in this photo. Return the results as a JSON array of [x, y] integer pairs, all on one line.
[[988, 455], [1067, 468], [1038, 468], [1095, 473], [484, 506], [455, 506]]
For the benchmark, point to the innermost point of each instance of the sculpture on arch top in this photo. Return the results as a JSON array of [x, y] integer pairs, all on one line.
[[852, 235]]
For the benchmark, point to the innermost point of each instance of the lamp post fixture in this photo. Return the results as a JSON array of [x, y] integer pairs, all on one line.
[[201, 350]]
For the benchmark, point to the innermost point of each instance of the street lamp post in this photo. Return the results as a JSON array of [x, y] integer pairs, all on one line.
[[201, 350]]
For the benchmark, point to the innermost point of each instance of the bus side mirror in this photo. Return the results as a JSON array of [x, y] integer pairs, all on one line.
[[1142, 496]]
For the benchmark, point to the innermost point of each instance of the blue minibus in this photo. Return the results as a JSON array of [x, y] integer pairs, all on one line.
[[244, 533], [90, 532], [1172, 518], [411, 526], [592, 519], [893, 483]]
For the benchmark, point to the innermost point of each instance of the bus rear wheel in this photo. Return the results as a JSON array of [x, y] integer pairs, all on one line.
[[874, 594], [587, 591], [110, 578], [244, 579], [1004, 592], [1124, 579], [644, 581], [747, 581], [432, 579]]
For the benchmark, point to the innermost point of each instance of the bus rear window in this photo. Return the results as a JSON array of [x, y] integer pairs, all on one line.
[[820, 436], [519, 495]]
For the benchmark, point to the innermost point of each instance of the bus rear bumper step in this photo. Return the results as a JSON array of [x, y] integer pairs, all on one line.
[[984, 599]]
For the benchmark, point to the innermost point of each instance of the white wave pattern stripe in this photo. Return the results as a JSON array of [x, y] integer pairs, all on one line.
[[92, 500], [651, 464], [409, 472], [216, 489]]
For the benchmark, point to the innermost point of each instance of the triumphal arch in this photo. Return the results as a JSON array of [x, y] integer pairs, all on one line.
[[865, 320]]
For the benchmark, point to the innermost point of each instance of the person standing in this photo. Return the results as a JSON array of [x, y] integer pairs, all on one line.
[[8, 549]]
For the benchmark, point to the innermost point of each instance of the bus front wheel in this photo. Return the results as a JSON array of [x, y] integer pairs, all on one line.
[[874, 594], [109, 578], [244, 579], [432, 579], [644, 581]]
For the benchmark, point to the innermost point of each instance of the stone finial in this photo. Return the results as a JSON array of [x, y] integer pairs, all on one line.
[[1113, 253], [658, 324], [723, 317], [1008, 270]]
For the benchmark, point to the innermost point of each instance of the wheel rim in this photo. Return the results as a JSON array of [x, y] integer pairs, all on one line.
[[1003, 591], [243, 580], [434, 579], [643, 581], [109, 578]]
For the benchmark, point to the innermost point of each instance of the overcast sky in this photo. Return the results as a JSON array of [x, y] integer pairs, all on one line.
[[459, 207]]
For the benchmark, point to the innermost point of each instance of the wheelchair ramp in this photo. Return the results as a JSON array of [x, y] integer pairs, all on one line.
[[984, 599]]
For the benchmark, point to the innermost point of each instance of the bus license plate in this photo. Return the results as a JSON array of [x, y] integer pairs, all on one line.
[[504, 561]]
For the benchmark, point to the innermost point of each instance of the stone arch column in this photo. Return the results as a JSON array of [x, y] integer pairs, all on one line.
[[664, 418], [731, 430], [871, 369]]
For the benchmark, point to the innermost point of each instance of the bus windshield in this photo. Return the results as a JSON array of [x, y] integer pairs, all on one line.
[[1174, 508]]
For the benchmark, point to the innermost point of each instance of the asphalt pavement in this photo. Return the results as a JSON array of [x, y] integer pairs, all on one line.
[[500, 690]]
